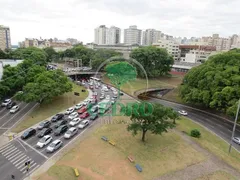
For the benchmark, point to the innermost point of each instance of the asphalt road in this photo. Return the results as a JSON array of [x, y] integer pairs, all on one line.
[[218, 125], [7, 120], [17, 152]]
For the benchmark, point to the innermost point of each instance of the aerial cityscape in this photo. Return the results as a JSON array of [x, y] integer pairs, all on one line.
[[119, 90]]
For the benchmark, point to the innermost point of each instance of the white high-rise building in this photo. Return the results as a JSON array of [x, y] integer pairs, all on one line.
[[113, 35], [5, 38], [132, 35], [150, 36], [100, 35]]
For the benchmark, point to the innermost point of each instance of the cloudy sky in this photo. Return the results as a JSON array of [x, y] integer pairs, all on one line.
[[78, 18]]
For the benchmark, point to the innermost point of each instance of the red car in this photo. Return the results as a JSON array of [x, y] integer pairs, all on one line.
[[94, 97], [82, 110], [84, 115]]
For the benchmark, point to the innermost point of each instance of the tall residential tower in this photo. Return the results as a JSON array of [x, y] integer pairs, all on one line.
[[5, 38], [132, 35]]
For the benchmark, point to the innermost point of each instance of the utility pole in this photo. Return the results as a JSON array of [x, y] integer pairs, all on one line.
[[234, 127]]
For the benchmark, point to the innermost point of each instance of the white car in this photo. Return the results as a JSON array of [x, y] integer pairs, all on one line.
[[14, 109], [73, 115], [115, 92], [44, 141], [6, 102], [54, 145], [106, 89], [75, 121], [102, 97], [236, 140], [184, 113], [78, 106], [95, 93], [108, 97], [70, 133], [83, 124], [69, 111], [85, 102]]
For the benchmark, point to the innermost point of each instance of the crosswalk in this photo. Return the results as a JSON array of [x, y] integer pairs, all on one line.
[[18, 158]]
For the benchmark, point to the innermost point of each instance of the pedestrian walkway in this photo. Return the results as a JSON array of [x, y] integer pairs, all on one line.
[[17, 157]]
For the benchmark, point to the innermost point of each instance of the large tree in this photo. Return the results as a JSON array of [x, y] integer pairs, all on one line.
[[214, 84], [51, 54], [45, 87], [150, 117], [155, 61]]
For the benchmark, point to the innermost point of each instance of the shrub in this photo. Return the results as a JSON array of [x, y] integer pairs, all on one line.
[[195, 133]]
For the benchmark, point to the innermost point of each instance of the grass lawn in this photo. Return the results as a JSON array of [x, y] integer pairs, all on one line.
[[211, 142], [138, 84], [46, 110], [218, 175], [97, 159]]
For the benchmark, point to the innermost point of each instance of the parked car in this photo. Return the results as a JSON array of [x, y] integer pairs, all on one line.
[[94, 109], [60, 123], [75, 121], [184, 113], [82, 110], [60, 130], [44, 141], [57, 117], [108, 97], [78, 106], [6, 102], [95, 94], [236, 140], [102, 97], [14, 109], [73, 115], [55, 145], [44, 132], [28, 133], [93, 116], [10, 105], [70, 133], [83, 124], [84, 115], [69, 111], [44, 124], [85, 102]]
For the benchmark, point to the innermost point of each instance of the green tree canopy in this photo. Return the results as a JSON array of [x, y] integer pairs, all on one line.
[[156, 61], [214, 84], [51, 54], [120, 73], [156, 120]]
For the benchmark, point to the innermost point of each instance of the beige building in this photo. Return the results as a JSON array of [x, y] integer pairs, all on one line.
[[151, 36], [5, 38], [132, 35], [221, 44], [171, 46], [100, 35]]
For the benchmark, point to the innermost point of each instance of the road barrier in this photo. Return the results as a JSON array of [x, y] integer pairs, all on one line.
[[76, 172]]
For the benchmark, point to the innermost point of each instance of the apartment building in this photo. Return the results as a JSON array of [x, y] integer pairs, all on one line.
[[132, 35], [100, 35], [221, 44], [113, 35], [150, 36], [5, 38], [171, 46]]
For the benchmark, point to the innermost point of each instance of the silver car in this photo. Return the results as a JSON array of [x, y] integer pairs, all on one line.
[[14, 109], [236, 140], [70, 133], [55, 145]]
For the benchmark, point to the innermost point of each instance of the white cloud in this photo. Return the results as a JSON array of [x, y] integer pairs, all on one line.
[[78, 18]]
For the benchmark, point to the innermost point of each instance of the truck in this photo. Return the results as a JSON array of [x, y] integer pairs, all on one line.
[[103, 106]]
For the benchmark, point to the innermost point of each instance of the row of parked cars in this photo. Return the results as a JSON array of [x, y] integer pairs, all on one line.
[[9, 104]]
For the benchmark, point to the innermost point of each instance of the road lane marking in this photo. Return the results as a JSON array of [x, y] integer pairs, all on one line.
[[34, 149], [212, 126], [15, 115], [18, 156], [12, 154], [4, 146], [22, 162], [5, 115], [3, 109], [32, 169], [7, 148], [12, 157], [21, 145], [8, 152], [31, 165], [20, 159]]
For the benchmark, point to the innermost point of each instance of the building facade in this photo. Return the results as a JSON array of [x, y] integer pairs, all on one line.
[[132, 35], [171, 46], [5, 38], [150, 36], [113, 36], [100, 35]]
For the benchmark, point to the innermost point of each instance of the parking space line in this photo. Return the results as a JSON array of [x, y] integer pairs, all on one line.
[[19, 159], [8, 152], [7, 148], [13, 157], [22, 162], [34, 149], [2, 110], [11, 154], [6, 145], [5, 115]]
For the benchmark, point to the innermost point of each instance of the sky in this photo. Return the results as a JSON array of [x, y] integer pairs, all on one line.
[[78, 18]]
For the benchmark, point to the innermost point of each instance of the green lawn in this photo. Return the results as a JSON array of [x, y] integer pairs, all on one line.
[[211, 142], [46, 110], [62, 172], [218, 175]]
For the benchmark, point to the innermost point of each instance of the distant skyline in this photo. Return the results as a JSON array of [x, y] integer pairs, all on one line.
[[78, 18]]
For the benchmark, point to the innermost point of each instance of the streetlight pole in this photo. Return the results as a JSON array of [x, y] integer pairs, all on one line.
[[234, 127]]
